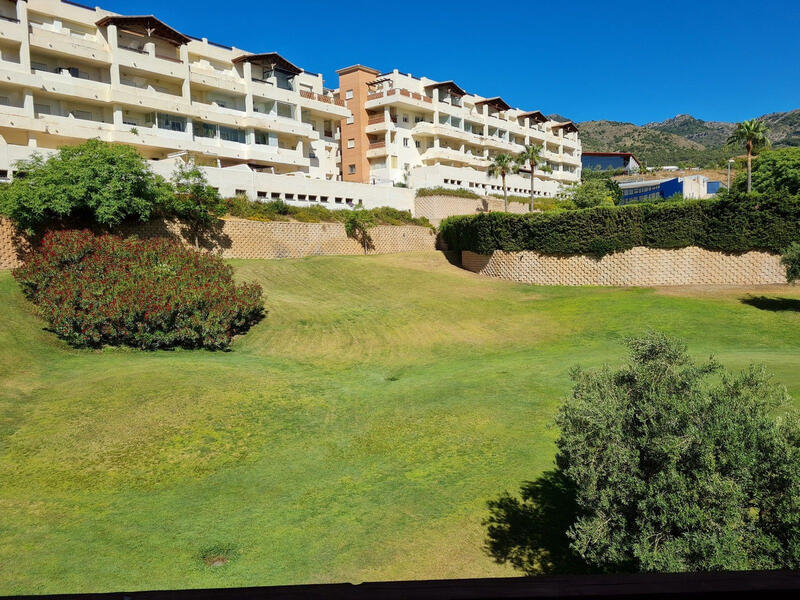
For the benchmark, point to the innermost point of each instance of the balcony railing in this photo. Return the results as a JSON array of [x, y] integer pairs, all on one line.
[[402, 92], [169, 58], [9, 19], [377, 145], [321, 98], [134, 49], [381, 118]]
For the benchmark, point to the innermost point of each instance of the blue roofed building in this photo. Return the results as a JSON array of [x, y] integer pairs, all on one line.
[[691, 186]]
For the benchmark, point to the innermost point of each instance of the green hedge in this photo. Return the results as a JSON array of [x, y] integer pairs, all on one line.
[[728, 225]]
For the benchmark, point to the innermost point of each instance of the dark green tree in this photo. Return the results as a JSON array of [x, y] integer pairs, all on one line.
[[593, 192], [95, 181], [774, 172], [666, 464], [195, 201], [357, 224]]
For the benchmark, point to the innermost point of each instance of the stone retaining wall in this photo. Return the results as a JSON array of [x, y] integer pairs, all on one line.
[[636, 267], [437, 208], [239, 238]]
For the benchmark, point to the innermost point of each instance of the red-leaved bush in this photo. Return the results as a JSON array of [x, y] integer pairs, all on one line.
[[105, 290]]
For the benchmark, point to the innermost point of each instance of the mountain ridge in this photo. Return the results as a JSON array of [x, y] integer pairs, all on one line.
[[682, 139]]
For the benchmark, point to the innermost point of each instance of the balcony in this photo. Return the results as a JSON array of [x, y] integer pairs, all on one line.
[[377, 149], [214, 79], [64, 84], [11, 29], [454, 156], [399, 96], [321, 98], [379, 123], [82, 46], [142, 60]]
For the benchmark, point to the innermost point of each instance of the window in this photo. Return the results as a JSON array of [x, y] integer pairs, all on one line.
[[4, 100], [417, 119], [351, 119], [405, 118], [323, 198], [416, 143], [348, 95], [4, 174], [405, 142], [301, 196], [289, 196], [262, 194], [241, 193], [42, 109], [351, 169], [351, 143], [171, 122], [230, 134], [205, 130], [338, 200], [276, 195], [82, 114]]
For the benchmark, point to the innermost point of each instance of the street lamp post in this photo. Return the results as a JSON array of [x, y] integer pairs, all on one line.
[[730, 162]]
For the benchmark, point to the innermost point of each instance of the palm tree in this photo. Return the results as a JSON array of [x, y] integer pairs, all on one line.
[[502, 164], [530, 155], [752, 136]]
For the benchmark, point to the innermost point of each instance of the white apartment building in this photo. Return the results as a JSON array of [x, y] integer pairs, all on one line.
[[69, 73], [425, 133]]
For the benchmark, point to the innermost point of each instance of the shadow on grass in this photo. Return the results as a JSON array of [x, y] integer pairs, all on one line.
[[530, 532], [773, 304]]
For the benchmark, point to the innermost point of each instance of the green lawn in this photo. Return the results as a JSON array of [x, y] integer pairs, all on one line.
[[355, 434]]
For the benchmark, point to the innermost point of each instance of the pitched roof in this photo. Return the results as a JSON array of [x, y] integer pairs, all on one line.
[[497, 102], [147, 23], [534, 114], [568, 125], [273, 59], [450, 85]]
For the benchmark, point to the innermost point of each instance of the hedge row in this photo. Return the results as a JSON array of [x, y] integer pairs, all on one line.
[[728, 225]]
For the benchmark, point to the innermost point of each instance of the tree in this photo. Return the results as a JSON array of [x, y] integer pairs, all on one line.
[[752, 136], [666, 464], [503, 164], [530, 155], [196, 202], [94, 181], [791, 259], [357, 224], [593, 192], [774, 172]]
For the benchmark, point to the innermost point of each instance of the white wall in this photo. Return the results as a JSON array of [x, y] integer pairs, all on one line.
[[296, 189]]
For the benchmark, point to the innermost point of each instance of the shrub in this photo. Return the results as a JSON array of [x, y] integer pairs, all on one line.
[[149, 294], [594, 192], [195, 201], [664, 464], [278, 210], [791, 259], [95, 181], [774, 171], [441, 191], [730, 224]]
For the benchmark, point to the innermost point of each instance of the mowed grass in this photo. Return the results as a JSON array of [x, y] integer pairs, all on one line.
[[355, 434]]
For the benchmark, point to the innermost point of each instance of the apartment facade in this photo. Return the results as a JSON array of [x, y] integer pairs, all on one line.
[[70, 72], [424, 133]]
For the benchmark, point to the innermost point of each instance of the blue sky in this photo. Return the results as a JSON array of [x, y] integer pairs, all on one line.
[[636, 61]]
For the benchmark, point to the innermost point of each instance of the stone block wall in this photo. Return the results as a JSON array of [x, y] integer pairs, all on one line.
[[239, 238], [636, 267], [437, 208]]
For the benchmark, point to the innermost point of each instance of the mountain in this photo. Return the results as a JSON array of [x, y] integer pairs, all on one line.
[[682, 139]]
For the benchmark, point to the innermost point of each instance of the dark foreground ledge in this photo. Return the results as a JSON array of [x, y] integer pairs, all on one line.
[[745, 584]]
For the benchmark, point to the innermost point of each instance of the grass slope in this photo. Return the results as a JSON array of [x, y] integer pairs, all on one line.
[[355, 434]]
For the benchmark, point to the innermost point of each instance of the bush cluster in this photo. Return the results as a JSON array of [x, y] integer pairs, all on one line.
[[149, 294], [278, 210], [442, 191], [731, 224]]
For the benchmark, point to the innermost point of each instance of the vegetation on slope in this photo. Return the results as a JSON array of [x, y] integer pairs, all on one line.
[[356, 435]]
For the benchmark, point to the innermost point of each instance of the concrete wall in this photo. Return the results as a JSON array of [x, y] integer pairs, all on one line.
[[636, 267], [292, 188], [436, 208], [238, 238]]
